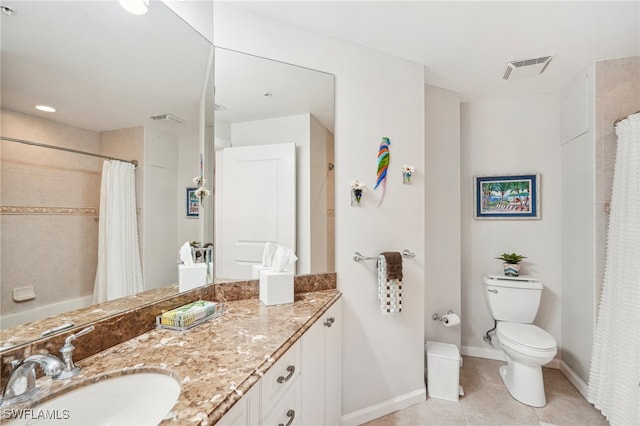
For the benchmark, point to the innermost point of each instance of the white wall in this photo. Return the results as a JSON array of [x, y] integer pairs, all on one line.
[[442, 207], [377, 95], [578, 227], [319, 204], [510, 136], [159, 208], [188, 168]]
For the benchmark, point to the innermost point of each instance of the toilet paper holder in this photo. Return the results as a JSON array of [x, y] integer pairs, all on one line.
[[437, 317]]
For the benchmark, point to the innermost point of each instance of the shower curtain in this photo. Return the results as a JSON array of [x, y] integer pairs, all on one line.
[[119, 271], [614, 379]]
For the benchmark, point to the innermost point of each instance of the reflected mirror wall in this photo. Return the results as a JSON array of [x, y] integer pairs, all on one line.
[[107, 72], [106, 83], [260, 104]]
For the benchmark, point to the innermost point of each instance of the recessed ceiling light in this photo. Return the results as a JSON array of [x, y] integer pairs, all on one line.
[[136, 7], [45, 108]]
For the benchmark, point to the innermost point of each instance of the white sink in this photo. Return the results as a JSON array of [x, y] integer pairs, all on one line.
[[132, 399]]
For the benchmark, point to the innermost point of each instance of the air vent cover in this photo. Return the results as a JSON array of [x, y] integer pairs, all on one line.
[[526, 67], [167, 117]]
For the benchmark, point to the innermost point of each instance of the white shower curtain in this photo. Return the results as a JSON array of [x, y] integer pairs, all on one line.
[[614, 379], [119, 271]]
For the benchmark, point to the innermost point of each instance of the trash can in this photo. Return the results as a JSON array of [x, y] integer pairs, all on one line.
[[443, 371]]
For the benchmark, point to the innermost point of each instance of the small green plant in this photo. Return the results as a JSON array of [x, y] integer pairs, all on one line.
[[512, 258]]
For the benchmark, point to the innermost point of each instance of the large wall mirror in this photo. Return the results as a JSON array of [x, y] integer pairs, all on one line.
[[261, 106], [107, 72]]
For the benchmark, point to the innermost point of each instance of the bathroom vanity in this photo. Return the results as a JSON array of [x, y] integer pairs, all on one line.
[[255, 364]]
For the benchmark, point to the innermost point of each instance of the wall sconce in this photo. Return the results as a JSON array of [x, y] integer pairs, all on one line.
[[136, 7]]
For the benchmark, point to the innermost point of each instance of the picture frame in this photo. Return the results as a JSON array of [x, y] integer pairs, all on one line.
[[193, 203], [507, 197]]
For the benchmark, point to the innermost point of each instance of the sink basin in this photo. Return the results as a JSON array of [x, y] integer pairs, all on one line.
[[131, 399]]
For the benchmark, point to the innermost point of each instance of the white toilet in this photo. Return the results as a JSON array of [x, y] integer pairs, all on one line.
[[513, 302]]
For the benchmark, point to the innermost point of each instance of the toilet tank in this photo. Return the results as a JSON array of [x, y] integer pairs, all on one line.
[[513, 299]]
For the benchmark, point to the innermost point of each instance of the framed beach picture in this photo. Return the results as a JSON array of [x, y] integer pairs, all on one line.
[[193, 203], [507, 197]]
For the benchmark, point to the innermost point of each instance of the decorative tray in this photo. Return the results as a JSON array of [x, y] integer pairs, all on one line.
[[190, 315]]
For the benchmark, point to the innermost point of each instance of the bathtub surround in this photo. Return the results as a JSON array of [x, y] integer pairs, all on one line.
[[50, 201]]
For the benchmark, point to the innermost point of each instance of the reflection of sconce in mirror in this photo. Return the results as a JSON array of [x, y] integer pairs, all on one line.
[[7, 10], [357, 189], [136, 7]]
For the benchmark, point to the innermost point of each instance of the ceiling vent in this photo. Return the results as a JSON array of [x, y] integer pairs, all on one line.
[[526, 67], [168, 117]]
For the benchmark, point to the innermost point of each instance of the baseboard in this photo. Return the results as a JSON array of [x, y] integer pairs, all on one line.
[[383, 408], [498, 355], [576, 381], [486, 353]]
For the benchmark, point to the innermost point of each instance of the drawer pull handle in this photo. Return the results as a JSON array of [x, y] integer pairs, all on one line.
[[291, 369], [492, 291], [291, 414], [329, 321]]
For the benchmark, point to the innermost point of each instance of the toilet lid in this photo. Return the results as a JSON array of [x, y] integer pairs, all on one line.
[[527, 335]]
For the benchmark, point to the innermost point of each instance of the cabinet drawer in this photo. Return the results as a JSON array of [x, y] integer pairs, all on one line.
[[286, 411], [280, 377]]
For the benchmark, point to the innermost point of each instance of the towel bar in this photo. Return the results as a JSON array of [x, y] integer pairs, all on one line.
[[357, 256]]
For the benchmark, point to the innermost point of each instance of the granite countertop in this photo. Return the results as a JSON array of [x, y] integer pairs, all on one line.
[[215, 362]]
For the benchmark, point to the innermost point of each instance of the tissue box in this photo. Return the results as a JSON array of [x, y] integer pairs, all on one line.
[[276, 288], [191, 276]]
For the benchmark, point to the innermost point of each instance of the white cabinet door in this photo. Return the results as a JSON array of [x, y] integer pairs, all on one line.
[[321, 369], [333, 366]]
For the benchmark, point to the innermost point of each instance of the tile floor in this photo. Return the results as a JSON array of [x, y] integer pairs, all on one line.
[[487, 402]]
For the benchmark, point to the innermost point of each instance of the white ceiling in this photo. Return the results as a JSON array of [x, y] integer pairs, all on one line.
[[466, 45], [101, 76], [99, 66], [254, 88], [104, 69]]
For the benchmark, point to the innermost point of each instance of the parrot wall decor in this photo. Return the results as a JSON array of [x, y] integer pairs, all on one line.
[[383, 166]]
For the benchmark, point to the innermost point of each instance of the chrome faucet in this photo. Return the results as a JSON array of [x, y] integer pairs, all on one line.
[[70, 369], [22, 381]]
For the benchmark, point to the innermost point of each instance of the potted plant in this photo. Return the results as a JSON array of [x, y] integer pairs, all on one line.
[[511, 263]]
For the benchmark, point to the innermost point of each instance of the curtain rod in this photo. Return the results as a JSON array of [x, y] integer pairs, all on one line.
[[622, 118], [60, 148]]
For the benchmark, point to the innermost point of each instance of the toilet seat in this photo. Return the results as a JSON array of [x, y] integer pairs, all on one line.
[[526, 337]]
